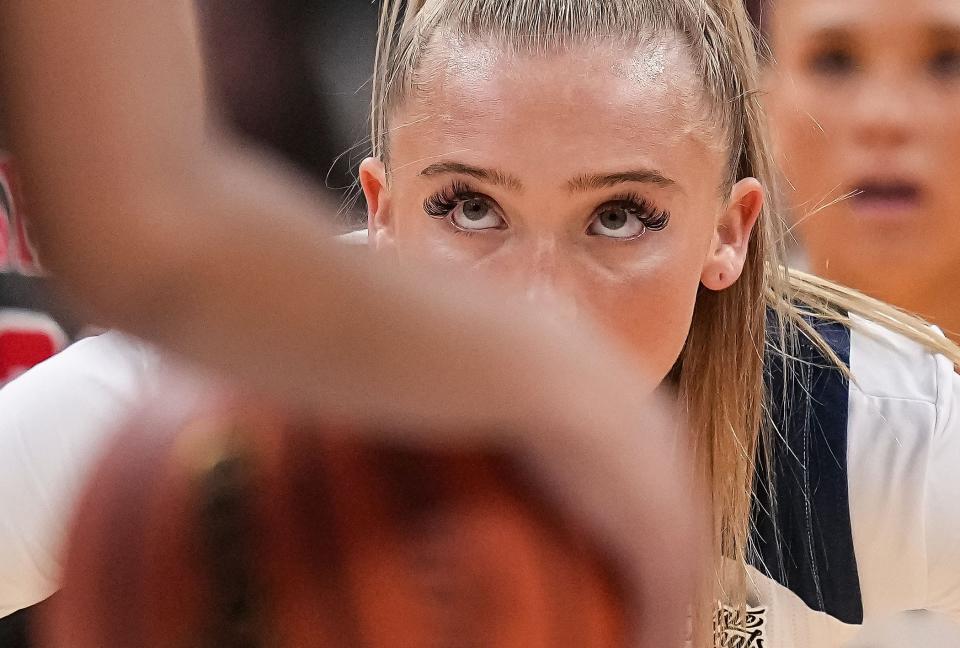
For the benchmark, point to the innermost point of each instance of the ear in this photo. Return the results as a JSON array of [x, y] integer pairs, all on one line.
[[380, 225], [728, 252]]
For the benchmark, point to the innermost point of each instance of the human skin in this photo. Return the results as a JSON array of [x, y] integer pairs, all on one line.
[[171, 229], [863, 96], [539, 224]]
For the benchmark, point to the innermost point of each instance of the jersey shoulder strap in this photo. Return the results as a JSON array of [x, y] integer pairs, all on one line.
[[802, 534]]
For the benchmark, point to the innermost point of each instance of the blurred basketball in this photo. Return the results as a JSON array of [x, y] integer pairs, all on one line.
[[228, 525]]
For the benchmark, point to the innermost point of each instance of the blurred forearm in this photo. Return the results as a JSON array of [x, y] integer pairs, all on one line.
[[173, 232]]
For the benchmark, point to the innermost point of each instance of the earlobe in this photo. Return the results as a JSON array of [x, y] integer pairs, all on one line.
[[373, 181], [731, 240]]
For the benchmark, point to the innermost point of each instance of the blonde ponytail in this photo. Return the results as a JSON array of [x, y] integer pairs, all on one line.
[[397, 17]]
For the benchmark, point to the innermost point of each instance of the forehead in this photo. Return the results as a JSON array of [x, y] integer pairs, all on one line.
[[602, 105], [810, 17]]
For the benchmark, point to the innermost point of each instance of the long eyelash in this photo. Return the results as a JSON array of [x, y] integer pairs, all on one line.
[[440, 204], [652, 218]]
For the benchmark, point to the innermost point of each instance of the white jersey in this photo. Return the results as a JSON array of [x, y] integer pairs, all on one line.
[[867, 479], [870, 527]]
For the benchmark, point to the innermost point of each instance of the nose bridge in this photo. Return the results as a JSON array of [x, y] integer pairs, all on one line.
[[547, 277], [884, 106], [543, 254]]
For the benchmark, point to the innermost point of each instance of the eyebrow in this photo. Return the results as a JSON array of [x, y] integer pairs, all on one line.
[[944, 31], [604, 180], [841, 29], [492, 176], [832, 32], [584, 182]]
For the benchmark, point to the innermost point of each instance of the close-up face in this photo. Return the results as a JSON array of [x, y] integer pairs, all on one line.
[[590, 178], [864, 98]]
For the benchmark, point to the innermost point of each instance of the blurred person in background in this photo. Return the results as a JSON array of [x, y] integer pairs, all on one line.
[[864, 101], [28, 333]]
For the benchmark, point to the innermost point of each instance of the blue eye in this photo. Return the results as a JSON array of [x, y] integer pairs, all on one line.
[[475, 214], [466, 210], [617, 222], [627, 219]]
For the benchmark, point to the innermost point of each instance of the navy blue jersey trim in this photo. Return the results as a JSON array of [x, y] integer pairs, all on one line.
[[13, 630], [16, 630], [815, 556]]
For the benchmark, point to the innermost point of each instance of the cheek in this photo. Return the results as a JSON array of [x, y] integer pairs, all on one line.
[[419, 239], [941, 135], [435, 244], [647, 309], [642, 295]]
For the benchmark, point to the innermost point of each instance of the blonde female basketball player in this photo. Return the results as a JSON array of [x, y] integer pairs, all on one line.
[[610, 159], [613, 159]]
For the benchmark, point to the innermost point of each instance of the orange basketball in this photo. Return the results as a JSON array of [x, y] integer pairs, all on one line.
[[227, 526]]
